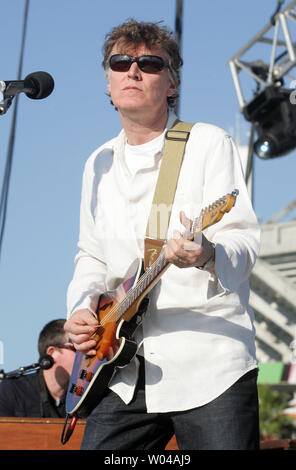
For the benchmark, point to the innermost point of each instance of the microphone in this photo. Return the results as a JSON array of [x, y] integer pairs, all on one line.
[[46, 362], [36, 85]]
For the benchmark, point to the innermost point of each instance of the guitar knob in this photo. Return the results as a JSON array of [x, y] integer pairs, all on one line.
[[79, 390], [89, 376], [84, 375]]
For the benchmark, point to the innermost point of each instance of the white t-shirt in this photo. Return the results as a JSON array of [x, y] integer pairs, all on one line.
[[138, 157]]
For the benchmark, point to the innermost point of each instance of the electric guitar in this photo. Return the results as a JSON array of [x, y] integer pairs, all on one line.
[[119, 313]]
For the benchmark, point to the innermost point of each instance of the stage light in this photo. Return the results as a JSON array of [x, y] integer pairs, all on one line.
[[275, 118], [264, 149]]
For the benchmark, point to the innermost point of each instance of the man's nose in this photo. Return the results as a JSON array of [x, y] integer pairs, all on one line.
[[134, 71]]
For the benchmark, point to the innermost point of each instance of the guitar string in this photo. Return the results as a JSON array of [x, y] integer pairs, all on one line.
[[140, 286], [114, 310]]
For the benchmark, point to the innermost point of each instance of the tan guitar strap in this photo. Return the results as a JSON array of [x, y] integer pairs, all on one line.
[[156, 231]]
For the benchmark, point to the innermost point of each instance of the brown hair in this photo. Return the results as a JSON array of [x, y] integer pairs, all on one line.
[[134, 33], [51, 334]]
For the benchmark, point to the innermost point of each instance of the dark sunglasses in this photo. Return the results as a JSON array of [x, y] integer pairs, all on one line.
[[146, 63], [65, 346]]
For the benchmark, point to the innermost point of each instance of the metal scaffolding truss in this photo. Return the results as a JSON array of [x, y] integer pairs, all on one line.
[[264, 62], [279, 65]]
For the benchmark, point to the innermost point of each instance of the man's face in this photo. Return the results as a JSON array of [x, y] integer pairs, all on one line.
[[135, 91], [68, 360], [63, 355]]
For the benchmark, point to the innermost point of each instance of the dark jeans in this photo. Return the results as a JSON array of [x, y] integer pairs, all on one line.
[[230, 422]]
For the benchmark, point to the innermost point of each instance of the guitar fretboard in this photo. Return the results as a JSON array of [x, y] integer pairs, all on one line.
[[161, 263], [152, 272], [142, 285]]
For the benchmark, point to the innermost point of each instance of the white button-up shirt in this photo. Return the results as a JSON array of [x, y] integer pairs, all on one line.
[[198, 335]]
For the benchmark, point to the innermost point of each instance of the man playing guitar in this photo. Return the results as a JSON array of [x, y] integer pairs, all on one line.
[[195, 371]]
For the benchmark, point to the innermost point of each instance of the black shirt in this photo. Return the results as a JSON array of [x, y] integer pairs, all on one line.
[[28, 396]]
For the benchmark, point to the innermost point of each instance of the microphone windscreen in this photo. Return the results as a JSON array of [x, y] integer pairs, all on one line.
[[42, 85], [46, 361]]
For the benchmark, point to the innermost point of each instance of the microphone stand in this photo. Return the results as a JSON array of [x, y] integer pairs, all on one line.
[[7, 98], [45, 362], [5, 103], [20, 371]]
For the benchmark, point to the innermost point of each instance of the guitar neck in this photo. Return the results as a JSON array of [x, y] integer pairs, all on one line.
[[144, 285], [209, 216], [148, 280]]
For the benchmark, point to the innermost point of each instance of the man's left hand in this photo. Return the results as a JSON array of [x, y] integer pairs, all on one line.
[[187, 254]]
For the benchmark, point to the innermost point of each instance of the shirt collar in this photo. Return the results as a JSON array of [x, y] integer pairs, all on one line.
[[120, 140]]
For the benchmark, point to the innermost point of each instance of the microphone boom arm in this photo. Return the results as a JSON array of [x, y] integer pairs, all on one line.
[[45, 362], [36, 85], [7, 98], [18, 372]]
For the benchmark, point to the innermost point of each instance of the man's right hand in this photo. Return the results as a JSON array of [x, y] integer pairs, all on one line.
[[80, 327]]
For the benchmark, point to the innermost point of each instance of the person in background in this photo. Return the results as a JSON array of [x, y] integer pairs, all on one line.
[[41, 393], [195, 372]]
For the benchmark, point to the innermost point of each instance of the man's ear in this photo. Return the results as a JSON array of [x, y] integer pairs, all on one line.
[[171, 90], [50, 350]]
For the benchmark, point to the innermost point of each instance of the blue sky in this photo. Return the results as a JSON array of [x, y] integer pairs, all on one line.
[[55, 136]]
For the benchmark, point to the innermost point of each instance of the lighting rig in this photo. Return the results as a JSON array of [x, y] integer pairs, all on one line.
[[272, 108]]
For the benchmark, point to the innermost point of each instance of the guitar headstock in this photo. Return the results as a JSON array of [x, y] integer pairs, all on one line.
[[214, 212]]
